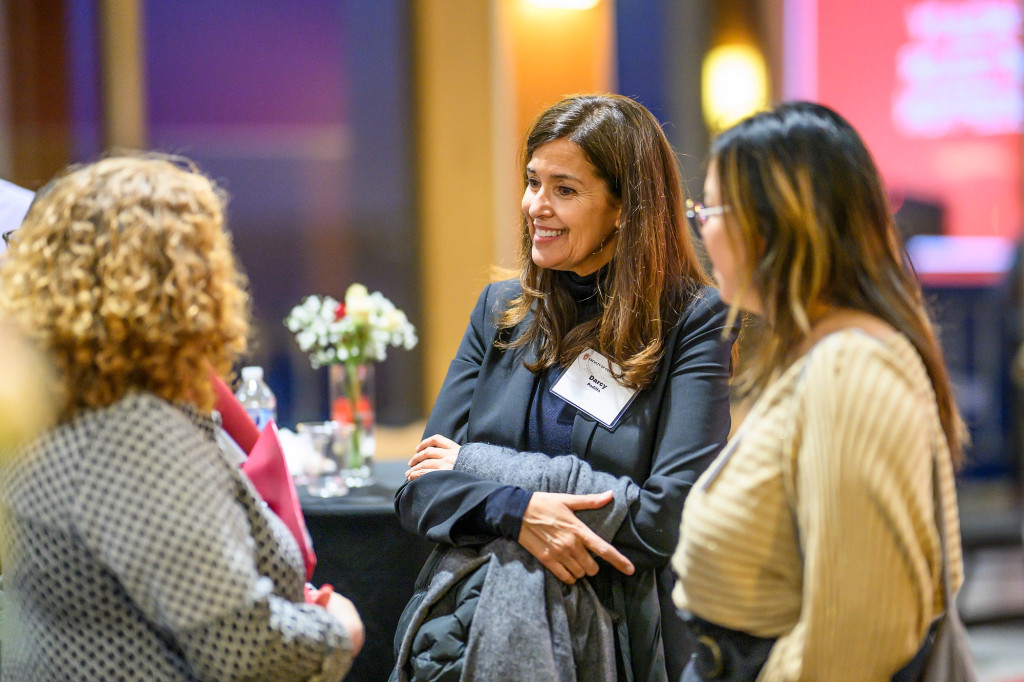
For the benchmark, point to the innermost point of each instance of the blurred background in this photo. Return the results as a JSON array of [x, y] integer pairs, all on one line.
[[376, 141]]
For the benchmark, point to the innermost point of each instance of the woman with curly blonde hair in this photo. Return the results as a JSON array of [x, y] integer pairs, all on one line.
[[133, 545]]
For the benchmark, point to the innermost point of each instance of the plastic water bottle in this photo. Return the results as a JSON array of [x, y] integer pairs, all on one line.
[[256, 397]]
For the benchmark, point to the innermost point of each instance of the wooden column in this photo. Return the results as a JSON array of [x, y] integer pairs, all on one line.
[[453, 75], [123, 62], [36, 91]]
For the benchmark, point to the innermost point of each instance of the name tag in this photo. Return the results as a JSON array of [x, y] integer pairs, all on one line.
[[589, 386]]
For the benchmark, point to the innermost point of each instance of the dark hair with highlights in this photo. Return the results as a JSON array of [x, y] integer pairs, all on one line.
[[808, 199], [654, 272]]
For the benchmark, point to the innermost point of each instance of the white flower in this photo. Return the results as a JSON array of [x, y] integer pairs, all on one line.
[[355, 291], [359, 309], [311, 305], [306, 339], [393, 320], [370, 324]]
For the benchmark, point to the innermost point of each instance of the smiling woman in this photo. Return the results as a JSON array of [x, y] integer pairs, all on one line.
[[572, 216], [596, 383]]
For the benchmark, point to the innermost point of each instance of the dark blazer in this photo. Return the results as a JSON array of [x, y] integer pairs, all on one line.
[[667, 436]]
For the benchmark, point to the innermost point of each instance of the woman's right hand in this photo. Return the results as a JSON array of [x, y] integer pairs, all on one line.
[[553, 534], [344, 610], [433, 454]]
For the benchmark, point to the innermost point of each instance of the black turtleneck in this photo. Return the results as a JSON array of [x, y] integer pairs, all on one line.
[[549, 418], [584, 290]]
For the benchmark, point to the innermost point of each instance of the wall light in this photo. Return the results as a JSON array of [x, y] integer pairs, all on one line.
[[734, 84], [563, 4]]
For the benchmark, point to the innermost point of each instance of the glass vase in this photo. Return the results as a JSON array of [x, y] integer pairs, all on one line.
[[353, 408]]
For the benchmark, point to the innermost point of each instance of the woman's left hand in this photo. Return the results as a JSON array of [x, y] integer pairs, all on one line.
[[433, 453], [553, 533]]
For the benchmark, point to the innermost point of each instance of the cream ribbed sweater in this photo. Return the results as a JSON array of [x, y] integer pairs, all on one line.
[[816, 524]]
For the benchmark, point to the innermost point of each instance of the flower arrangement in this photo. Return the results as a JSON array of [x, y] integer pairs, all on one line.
[[349, 336], [358, 330]]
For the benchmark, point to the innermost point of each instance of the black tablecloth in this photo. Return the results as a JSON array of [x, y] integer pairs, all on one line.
[[368, 557]]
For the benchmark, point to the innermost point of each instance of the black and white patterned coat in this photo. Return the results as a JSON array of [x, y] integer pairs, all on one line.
[[133, 548]]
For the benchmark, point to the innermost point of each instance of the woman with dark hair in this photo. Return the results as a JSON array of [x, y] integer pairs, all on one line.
[[584, 401], [810, 549]]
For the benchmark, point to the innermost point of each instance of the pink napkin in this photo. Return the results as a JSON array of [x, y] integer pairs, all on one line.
[[235, 419], [268, 472], [265, 467]]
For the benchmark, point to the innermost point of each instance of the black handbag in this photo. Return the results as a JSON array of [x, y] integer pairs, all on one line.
[[950, 658]]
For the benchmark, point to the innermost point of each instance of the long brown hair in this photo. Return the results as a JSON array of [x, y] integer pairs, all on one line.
[[808, 199], [654, 272]]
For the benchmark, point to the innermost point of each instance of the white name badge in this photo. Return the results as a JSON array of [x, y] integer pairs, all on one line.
[[588, 385]]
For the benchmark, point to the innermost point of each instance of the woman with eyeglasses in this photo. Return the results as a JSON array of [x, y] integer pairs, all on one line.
[[132, 545], [810, 548]]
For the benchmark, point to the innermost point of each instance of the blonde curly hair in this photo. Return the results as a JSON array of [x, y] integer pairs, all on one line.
[[123, 272]]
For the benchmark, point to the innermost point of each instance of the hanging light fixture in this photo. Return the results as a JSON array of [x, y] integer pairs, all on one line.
[[734, 84], [734, 73], [563, 4]]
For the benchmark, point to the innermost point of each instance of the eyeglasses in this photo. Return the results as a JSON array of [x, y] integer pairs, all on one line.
[[701, 213]]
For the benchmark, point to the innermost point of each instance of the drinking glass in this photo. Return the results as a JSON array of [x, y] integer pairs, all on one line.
[[325, 439]]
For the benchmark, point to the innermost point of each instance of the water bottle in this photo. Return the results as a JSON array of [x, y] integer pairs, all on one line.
[[256, 397]]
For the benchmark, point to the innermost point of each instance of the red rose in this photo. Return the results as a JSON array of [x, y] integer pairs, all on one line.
[[339, 312]]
